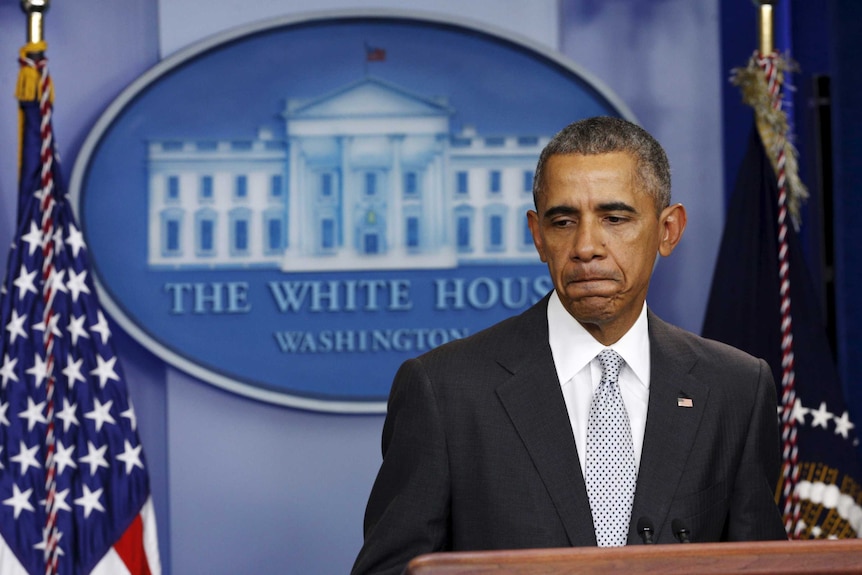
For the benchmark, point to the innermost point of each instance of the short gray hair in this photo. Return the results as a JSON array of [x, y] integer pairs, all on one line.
[[603, 135]]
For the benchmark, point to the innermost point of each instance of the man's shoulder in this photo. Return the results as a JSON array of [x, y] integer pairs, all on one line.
[[674, 340]]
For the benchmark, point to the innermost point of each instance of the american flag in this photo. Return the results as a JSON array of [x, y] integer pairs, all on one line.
[[74, 485]]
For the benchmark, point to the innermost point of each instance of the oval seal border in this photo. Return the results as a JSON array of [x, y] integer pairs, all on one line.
[[166, 352]]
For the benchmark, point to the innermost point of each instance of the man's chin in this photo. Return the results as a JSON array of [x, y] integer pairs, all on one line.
[[593, 309], [596, 296]]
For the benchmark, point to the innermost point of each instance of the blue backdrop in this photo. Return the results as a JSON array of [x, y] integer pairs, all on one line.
[[242, 486]]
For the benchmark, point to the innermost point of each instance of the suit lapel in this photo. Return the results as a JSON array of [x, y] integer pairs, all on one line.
[[534, 402], [671, 425]]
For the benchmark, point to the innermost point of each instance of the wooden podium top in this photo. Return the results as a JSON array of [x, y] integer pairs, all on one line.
[[784, 557]]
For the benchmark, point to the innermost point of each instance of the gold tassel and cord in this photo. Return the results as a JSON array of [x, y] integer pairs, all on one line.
[[773, 126], [29, 86]]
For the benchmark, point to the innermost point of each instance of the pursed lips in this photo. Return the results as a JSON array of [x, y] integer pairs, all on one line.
[[591, 279], [591, 282], [588, 278]]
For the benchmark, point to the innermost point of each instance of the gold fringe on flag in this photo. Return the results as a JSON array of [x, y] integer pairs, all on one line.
[[772, 125]]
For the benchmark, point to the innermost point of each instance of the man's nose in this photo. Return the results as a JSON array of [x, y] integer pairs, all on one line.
[[588, 240]]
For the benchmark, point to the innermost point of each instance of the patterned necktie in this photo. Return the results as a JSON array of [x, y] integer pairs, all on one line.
[[610, 467]]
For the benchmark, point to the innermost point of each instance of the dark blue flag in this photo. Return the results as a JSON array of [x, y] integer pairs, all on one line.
[[745, 310], [74, 486]]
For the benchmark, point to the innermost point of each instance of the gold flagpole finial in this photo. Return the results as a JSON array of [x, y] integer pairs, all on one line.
[[767, 44], [35, 10]]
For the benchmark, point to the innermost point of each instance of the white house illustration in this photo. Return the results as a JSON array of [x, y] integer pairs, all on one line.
[[367, 177]]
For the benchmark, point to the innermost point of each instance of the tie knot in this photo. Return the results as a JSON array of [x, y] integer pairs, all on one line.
[[611, 362]]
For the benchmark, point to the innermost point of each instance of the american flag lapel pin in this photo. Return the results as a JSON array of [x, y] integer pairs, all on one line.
[[683, 401]]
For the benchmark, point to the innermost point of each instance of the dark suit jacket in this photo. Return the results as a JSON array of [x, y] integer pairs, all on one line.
[[479, 454]]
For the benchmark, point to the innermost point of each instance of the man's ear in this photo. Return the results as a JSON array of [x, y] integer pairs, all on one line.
[[533, 222], [672, 225]]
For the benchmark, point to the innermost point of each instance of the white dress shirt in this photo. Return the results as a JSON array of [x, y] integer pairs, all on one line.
[[580, 372]]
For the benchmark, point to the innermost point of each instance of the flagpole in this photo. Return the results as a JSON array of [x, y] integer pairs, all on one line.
[[774, 131], [28, 77], [35, 10], [766, 27], [31, 88]]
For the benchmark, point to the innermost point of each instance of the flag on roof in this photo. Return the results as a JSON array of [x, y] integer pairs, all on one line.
[[374, 54]]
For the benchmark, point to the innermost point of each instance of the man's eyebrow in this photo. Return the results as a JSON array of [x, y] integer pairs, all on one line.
[[562, 210], [617, 207]]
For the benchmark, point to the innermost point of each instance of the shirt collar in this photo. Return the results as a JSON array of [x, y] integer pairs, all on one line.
[[573, 347]]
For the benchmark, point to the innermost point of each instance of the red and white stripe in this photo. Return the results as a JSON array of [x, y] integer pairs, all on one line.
[[135, 553]]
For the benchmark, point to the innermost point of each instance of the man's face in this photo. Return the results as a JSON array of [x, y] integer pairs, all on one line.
[[599, 233]]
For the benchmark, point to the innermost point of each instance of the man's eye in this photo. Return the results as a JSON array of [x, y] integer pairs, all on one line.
[[615, 219]]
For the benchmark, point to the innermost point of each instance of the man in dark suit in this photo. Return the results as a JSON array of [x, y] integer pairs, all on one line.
[[490, 441]]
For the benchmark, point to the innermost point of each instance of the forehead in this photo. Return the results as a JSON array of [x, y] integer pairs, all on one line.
[[576, 175], [616, 166]]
